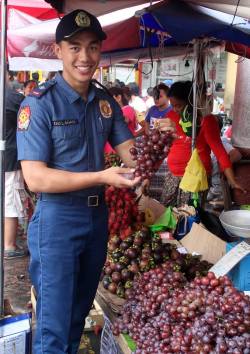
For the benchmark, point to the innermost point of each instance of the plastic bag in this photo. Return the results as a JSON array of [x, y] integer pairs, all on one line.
[[195, 176]]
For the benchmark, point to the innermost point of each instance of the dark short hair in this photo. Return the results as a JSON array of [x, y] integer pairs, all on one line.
[[116, 91], [181, 90], [150, 91], [134, 88], [157, 88], [35, 76]]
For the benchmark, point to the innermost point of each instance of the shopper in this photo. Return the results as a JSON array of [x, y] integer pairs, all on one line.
[[160, 108], [207, 140], [128, 111], [28, 86], [14, 183], [62, 129], [150, 97]]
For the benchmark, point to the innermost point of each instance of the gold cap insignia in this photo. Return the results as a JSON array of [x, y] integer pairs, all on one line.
[[105, 108], [82, 19]]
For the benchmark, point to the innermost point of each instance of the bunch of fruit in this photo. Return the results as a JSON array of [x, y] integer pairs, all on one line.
[[149, 150], [112, 159], [165, 314], [123, 211], [139, 253]]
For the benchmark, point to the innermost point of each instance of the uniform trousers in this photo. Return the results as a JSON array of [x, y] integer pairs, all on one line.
[[67, 240]]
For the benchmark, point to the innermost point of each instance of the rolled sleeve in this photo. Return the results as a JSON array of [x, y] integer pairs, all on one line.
[[34, 143], [120, 131]]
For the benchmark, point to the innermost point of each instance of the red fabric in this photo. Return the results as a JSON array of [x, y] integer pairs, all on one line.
[[130, 117], [180, 151], [239, 49], [124, 34], [209, 139], [228, 133]]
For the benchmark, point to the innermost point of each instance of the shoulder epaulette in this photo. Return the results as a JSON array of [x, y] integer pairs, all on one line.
[[42, 89]]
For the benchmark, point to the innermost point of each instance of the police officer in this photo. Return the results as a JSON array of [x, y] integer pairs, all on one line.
[[62, 128]]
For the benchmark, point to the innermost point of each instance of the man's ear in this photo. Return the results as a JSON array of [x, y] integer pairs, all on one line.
[[58, 50]]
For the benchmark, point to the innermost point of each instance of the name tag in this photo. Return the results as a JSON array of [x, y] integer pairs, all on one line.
[[65, 122]]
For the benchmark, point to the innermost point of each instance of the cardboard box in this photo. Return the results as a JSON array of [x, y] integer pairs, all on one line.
[[152, 209], [213, 249], [16, 334]]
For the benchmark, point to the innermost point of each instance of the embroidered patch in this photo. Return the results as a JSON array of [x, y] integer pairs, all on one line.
[[82, 19], [24, 118], [61, 123], [105, 108]]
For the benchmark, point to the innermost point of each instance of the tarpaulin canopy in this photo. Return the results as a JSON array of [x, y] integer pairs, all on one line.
[[161, 25]]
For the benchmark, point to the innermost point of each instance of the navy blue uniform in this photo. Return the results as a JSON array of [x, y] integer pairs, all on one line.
[[67, 235]]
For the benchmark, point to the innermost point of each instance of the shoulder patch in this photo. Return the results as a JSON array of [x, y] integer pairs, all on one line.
[[42, 89], [23, 120], [105, 108]]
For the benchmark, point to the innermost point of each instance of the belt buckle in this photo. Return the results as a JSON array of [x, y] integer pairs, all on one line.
[[93, 200]]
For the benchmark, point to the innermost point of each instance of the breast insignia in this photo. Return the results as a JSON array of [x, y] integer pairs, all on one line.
[[105, 108]]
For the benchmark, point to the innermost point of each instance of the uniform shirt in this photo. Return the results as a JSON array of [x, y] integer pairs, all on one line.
[[57, 126], [13, 100]]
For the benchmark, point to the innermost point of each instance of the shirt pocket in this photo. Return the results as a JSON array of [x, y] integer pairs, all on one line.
[[104, 125], [67, 131]]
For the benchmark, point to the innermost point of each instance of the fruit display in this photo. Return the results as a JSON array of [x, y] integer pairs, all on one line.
[[123, 211], [139, 253], [149, 150], [112, 159], [166, 314]]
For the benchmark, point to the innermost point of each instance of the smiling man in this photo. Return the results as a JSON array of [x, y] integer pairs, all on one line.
[[63, 126]]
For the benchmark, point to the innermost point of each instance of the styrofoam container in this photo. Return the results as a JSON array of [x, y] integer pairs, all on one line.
[[240, 274]]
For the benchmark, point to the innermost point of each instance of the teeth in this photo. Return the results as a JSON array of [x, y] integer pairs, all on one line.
[[84, 68]]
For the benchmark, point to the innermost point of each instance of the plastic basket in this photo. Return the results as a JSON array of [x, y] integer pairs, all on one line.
[[240, 274], [108, 343]]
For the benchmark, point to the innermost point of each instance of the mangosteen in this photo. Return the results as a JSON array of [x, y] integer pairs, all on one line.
[[131, 253], [126, 274], [116, 277], [117, 254], [112, 288], [119, 267], [106, 281], [134, 268], [124, 245], [124, 260], [120, 291], [108, 270], [115, 240]]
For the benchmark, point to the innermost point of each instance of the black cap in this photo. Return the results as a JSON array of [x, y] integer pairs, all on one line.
[[78, 21]]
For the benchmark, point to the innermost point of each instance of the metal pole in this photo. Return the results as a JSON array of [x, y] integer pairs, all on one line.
[[195, 82], [2, 145]]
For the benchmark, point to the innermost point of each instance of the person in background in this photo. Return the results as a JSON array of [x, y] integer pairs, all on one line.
[[14, 182], [160, 108], [29, 86], [150, 99], [137, 103], [128, 111], [207, 140], [14, 82], [35, 77]]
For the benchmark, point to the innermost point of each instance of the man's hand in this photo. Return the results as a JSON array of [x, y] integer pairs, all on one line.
[[114, 176]]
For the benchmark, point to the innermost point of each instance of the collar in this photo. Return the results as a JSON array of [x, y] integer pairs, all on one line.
[[70, 93]]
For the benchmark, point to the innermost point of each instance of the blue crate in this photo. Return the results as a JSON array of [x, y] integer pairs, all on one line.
[[240, 274]]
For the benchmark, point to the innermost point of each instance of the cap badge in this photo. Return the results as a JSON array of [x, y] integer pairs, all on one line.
[[105, 108], [82, 19]]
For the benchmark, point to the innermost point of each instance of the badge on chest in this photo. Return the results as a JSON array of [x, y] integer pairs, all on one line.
[[105, 108]]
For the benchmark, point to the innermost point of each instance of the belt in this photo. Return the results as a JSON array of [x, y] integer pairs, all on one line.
[[89, 200]]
